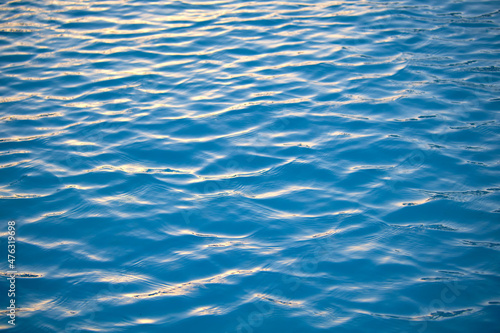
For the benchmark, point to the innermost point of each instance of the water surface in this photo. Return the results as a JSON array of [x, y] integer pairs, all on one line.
[[236, 166]]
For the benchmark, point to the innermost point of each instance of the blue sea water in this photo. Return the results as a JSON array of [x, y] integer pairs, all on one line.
[[251, 166]]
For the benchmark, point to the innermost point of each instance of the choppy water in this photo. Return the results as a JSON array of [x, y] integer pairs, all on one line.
[[269, 166]]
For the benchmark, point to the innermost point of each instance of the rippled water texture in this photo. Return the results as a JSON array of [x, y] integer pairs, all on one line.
[[235, 166]]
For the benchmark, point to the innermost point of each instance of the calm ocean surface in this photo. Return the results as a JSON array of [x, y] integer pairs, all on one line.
[[251, 167]]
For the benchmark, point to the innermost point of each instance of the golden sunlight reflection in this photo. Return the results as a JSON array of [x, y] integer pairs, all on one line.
[[187, 287], [180, 232], [360, 248], [79, 143], [145, 321], [206, 311]]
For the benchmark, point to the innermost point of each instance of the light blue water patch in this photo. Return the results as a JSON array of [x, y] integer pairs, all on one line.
[[251, 167]]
